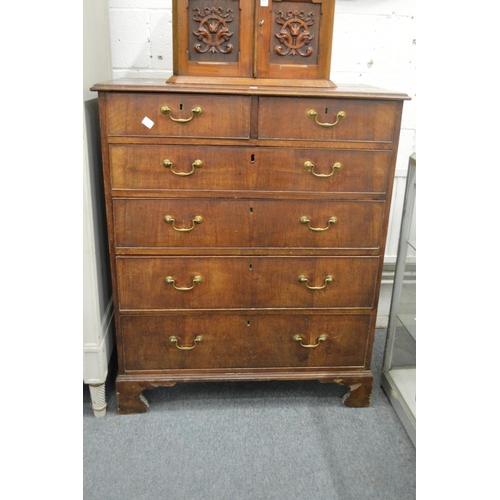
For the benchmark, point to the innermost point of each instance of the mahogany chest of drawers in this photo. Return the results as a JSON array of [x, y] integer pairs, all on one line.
[[246, 229]]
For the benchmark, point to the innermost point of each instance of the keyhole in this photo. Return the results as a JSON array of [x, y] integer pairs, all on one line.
[[326, 111], [250, 267], [252, 158], [251, 210], [180, 107], [248, 323]]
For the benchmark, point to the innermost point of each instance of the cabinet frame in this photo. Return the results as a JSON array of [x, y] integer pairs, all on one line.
[[398, 385]]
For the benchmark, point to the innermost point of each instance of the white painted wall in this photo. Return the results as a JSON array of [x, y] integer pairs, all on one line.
[[374, 43]]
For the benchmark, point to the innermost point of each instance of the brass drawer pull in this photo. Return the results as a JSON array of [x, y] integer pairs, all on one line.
[[175, 341], [331, 221], [168, 164], [321, 338], [328, 279], [170, 281], [310, 113], [309, 165], [171, 220], [194, 112]]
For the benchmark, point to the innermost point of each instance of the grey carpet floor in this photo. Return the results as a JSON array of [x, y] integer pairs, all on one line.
[[250, 441]]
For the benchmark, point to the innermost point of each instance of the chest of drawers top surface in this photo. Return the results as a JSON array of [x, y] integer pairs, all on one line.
[[158, 85]]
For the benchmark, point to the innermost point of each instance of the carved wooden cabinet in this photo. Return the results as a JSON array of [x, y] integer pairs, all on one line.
[[265, 39], [247, 204]]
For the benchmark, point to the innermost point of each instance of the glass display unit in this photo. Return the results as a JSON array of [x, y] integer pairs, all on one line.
[[399, 369]]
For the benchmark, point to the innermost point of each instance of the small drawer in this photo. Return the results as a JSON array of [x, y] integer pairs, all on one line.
[[168, 223], [258, 168], [323, 119], [193, 282], [178, 115], [244, 341]]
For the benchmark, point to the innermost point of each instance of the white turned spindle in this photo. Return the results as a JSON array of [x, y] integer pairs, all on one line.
[[98, 396]]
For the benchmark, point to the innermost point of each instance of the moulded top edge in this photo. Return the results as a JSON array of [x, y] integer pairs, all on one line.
[[160, 85]]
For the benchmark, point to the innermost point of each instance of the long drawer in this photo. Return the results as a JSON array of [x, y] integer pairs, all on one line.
[[175, 167], [137, 114], [244, 341], [247, 223], [192, 282], [324, 119]]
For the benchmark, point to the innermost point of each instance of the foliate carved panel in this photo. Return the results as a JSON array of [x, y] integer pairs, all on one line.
[[213, 30], [295, 33]]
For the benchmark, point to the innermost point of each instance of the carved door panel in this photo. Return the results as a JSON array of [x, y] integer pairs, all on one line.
[[213, 37], [294, 38], [284, 39]]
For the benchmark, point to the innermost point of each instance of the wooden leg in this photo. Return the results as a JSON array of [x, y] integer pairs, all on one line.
[[130, 398], [360, 390]]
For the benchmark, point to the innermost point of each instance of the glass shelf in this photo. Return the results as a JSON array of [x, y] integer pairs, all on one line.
[[400, 364]]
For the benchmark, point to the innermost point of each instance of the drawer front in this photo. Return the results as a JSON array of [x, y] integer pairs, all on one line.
[[239, 341], [225, 168], [171, 223], [365, 120], [220, 117], [245, 282]]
